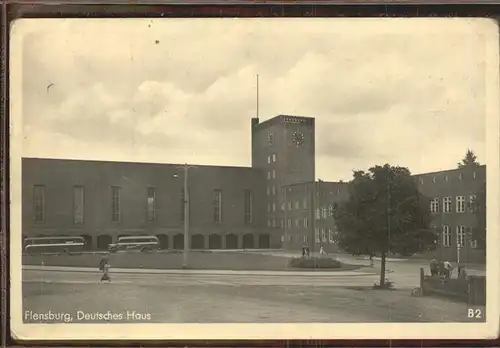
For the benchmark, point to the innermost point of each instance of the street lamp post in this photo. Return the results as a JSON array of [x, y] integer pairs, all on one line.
[[185, 253]]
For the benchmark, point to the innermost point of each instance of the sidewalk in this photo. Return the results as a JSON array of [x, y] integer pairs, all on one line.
[[198, 272]]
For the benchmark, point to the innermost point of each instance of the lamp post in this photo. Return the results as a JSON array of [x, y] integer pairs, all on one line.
[[185, 168]]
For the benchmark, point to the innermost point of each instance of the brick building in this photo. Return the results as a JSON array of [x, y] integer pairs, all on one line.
[[275, 203]]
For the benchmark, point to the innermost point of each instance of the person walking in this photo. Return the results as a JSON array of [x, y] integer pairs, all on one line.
[[322, 251], [434, 268], [448, 269], [104, 268]]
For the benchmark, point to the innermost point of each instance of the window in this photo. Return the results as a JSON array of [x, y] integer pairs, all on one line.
[[274, 190], [268, 207], [318, 214], [274, 158], [151, 203], [274, 222], [305, 239], [289, 223], [460, 176], [297, 223], [218, 206], [274, 174], [446, 236], [306, 222], [473, 244], [282, 205], [268, 191], [325, 213], [78, 205], [268, 159], [304, 204], [274, 206], [461, 236], [297, 205], [316, 235], [460, 204], [39, 202], [269, 223], [290, 238], [446, 178], [474, 175], [282, 223], [248, 207], [323, 235], [282, 238], [447, 205], [435, 205], [472, 203], [330, 210], [289, 205], [116, 203], [268, 175], [331, 237]]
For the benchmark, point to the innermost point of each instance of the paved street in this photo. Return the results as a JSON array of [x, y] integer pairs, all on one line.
[[183, 296]]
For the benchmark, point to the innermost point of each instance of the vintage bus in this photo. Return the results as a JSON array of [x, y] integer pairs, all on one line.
[[135, 243], [51, 245]]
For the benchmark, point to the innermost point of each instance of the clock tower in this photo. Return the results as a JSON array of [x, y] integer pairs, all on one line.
[[283, 147]]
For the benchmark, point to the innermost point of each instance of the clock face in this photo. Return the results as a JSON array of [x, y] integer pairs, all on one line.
[[270, 138], [298, 138]]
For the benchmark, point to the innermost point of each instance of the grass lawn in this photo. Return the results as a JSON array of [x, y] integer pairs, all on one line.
[[197, 260], [238, 304]]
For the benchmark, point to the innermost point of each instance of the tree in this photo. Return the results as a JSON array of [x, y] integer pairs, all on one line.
[[470, 160], [479, 208], [385, 213]]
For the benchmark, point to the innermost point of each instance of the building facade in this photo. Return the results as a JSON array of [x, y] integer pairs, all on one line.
[[275, 203]]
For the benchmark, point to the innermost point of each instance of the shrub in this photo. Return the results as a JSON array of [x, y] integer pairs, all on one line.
[[314, 263]]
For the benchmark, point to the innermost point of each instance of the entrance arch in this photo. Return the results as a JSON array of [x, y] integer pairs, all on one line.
[[163, 238], [178, 243], [231, 241], [103, 241], [198, 241], [214, 241], [264, 241], [248, 241]]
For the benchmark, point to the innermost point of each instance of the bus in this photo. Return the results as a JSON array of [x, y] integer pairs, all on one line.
[[56, 244], [135, 243]]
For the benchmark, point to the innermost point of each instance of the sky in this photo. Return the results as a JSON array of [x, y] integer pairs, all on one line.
[[404, 92]]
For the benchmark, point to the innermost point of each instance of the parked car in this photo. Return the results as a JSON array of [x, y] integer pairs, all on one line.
[[135, 243]]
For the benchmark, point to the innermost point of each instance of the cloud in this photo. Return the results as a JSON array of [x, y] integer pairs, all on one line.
[[175, 90]]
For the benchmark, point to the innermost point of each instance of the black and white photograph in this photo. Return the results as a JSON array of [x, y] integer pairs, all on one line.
[[306, 178]]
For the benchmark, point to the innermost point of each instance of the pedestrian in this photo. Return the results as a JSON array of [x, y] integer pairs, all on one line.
[[448, 269], [434, 267], [462, 273], [303, 251], [322, 250], [104, 268], [307, 251]]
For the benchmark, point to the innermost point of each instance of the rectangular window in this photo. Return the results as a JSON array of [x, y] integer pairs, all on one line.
[[460, 204], [268, 207], [116, 204], [282, 239], [316, 235], [330, 210], [297, 205], [268, 175], [282, 223], [325, 213], [306, 222], [274, 206], [39, 203], [304, 205], [269, 223], [274, 223], [472, 203], [447, 205], [289, 205], [268, 191], [461, 235], [248, 207], [297, 223], [151, 203], [435, 205], [282, 205], [218, 206], [274, 190], [446, 236], [318, 214], [78, 205], [305, 239], [274, 157], [274, 174], [289, 223], [331, 236], [268, 159], [323, 235], [290, 238]]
